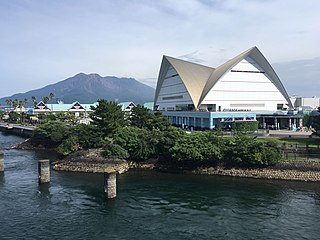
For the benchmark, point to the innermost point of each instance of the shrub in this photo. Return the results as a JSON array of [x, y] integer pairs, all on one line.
[[88, 136], [115, 151], [197, 146], [242, 128], [69, 145], [248, 152], [50, 134], [140, 143]]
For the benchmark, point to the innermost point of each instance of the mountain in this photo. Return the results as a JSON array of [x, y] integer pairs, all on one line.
[[88, 88]]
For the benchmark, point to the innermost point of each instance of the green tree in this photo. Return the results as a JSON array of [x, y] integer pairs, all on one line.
[[166, 140], [34, 100], [115, 151], [45, 99], [158, 121], [50, 134], [107, 117], [69, 145], [88, 136], [15, 103], [13, 117], [316, 125], [198, 146], [9, 102], [140, 116], [138, 142], [243, 128], [248, 152], [51, 96]]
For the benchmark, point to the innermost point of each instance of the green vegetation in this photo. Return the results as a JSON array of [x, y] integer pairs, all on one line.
[[247, 151], [316, 125], [50, 134], [143, 135], [243, 128], [198, 146], [108, 117]]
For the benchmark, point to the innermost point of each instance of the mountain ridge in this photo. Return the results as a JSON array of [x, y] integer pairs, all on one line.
[[88, 88]]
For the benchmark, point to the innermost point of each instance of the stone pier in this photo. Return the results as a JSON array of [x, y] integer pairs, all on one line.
[[1, 162], [110, 184], [44, 171]]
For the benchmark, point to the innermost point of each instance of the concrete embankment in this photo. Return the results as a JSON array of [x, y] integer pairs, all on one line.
[[87, 161], [90, 161], [16, 129], [308, 171]]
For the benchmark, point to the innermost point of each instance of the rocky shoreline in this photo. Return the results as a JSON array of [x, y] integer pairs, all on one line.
[[264, 173], [92, 161], [308, 171]]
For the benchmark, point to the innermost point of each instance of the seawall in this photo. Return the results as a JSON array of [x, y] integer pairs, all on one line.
[[23, 131]]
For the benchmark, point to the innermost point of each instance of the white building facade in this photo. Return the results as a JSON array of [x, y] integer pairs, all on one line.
[[240, 88]]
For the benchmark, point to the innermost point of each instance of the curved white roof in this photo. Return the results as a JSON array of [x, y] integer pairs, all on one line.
[[200, 79]]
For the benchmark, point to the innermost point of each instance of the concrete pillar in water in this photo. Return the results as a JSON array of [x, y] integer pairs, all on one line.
[[1, 162], [110, 184], [44, 171]]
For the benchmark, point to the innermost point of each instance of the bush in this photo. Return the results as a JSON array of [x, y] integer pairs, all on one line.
[[88, 136], [69, 145], [198, 146], [242, 128], [248, 152], [140, 143], [50, 134], [115, 151]]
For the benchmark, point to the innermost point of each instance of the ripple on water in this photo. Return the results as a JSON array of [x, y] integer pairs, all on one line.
[[152, 206]]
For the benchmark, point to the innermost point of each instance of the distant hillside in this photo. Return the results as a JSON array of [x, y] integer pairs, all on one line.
[[88, 88]]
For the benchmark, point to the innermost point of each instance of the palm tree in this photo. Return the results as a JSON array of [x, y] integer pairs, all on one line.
[[34, 100], [51, 95], [45, 99], [25, 101], [9, 102], [20, 105], [15, 103]]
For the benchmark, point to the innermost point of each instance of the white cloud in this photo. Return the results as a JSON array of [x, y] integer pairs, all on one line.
[[46, 41]]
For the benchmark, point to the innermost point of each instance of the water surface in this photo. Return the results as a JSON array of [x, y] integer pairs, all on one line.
[[150, 205]]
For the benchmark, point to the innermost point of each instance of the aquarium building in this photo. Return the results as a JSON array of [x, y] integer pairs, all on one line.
[[244, 88]]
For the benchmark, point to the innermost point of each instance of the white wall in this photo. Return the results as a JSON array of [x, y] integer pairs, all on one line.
[[251, 90], [175, 88], [313, 102]]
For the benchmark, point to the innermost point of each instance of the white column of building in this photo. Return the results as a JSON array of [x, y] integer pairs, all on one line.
[[290, 123], [210, 123]]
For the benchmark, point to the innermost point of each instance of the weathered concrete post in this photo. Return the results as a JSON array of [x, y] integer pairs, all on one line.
[[44, 171], [110, 184], [1, 162]]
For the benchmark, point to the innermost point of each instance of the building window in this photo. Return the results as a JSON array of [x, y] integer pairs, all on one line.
[[247, 71], [279, 106], [172, 97], [182, 107]]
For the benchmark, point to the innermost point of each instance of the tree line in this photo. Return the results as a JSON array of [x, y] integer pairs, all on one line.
[[143, 135]]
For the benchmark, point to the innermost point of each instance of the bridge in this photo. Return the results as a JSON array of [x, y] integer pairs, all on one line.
[[17, 129]]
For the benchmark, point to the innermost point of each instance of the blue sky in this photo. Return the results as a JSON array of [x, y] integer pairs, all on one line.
[[45, 41]]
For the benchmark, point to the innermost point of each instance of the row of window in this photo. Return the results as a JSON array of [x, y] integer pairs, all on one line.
[[172, 97], [247, 71]]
